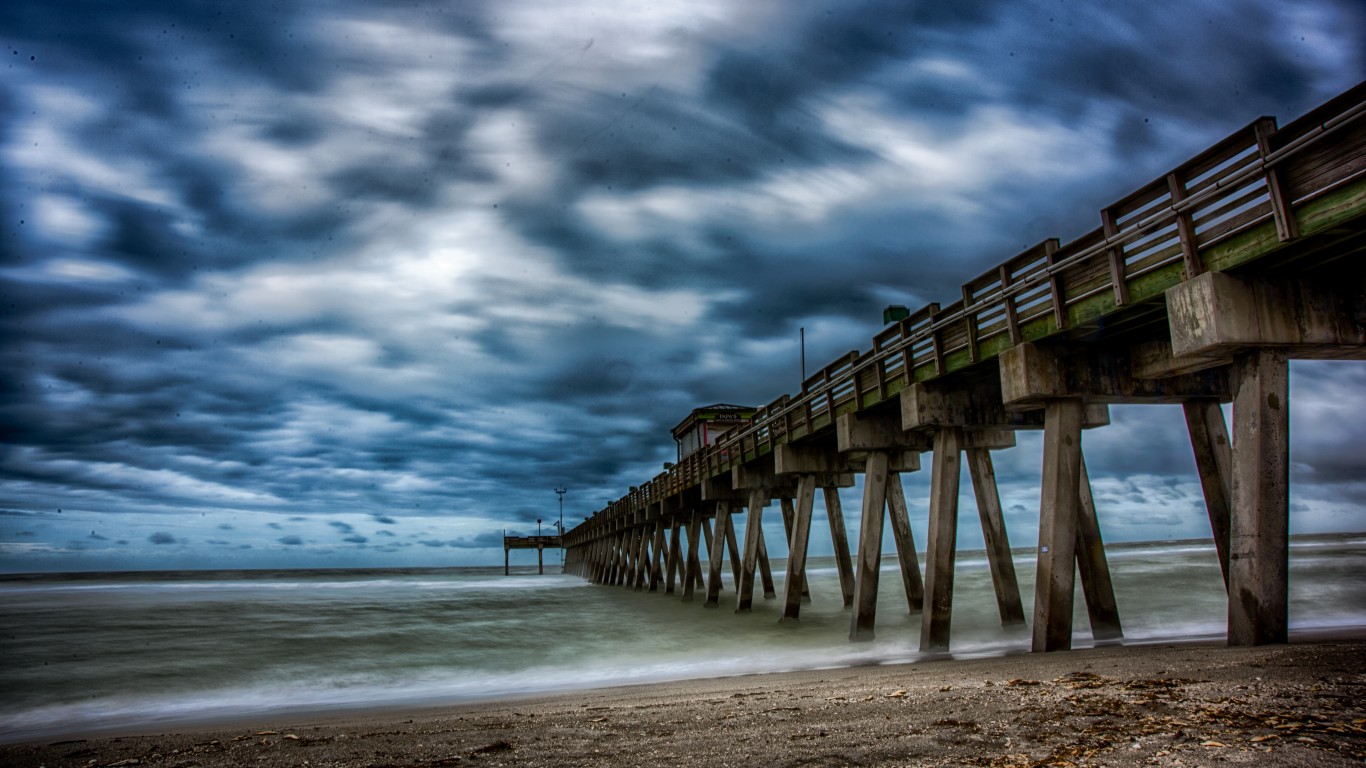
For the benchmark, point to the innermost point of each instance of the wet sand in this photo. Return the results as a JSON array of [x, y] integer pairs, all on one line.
[[1181, 705]]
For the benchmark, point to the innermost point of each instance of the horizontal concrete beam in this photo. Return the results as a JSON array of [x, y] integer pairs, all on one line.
[[759, 475], [719, 488], [797, 458], [1154, 360], [897, 461], [991, 439], [875, 432], [1033, 374], [1218, 314], [979, 406]]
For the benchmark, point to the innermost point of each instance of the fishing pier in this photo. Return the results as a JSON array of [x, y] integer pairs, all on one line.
[[1196, 288], [538, 543]]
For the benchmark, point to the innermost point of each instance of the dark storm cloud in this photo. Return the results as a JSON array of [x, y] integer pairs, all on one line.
[[161, 537], [290, 541]]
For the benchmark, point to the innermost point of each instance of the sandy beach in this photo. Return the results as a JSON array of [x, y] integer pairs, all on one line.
[[1199, 704]]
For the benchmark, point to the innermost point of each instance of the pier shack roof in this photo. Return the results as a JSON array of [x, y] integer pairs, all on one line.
[[705, 425]]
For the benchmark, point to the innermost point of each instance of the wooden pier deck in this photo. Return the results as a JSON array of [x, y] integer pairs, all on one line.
[[1197, 288]]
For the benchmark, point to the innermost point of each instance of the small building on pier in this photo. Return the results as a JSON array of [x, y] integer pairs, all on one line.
[[706, 425]]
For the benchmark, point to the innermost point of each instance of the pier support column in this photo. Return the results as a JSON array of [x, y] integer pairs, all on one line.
[[1259, 530], [1002, 564], [759, 481], [1096, 586], [870, 547], [703, 541], [657, 561], [970, 418], [609, 571], [786, 504], [1058, 507], [595, 560], [940, 549], [672, 562], [887, 448], [817, 464], [744, 591], [608, 554], [765, 570], [717, 551], [839, 538], [690, 572], [1214, 464], [705, 552], [798, 538], [642, 564], [632, 561], [733, 551], [623, 568], [900, 518], [629, 546]]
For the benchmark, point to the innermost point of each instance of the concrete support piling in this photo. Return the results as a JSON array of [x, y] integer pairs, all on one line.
[[1058, 505], [839, 538], [642, 564], [690, 573], [765, 570], [1094, 569], [718, 548], [1214, 464], [657, 562], [1002, 564], [1259, 530], [733, 551], [744, 591], [672, 566], [900, 519], [940, 549], [870, 547], [798, 539], [786, 504]]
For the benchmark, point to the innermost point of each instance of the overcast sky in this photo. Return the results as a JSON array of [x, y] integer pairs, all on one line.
[[354, 283]]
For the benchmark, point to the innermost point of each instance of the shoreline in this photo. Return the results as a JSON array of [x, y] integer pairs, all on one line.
[[1202, 703]]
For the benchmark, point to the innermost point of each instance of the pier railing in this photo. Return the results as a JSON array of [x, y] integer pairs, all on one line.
[[1230, 205]]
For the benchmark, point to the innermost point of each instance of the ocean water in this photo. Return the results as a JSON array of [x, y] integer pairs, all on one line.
[[97, 652]]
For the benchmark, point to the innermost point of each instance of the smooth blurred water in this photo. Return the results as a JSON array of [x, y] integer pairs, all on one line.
[[89, 652]]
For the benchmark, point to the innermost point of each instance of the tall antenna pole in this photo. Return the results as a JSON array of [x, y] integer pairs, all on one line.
[[802, 330], [561, 492]]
